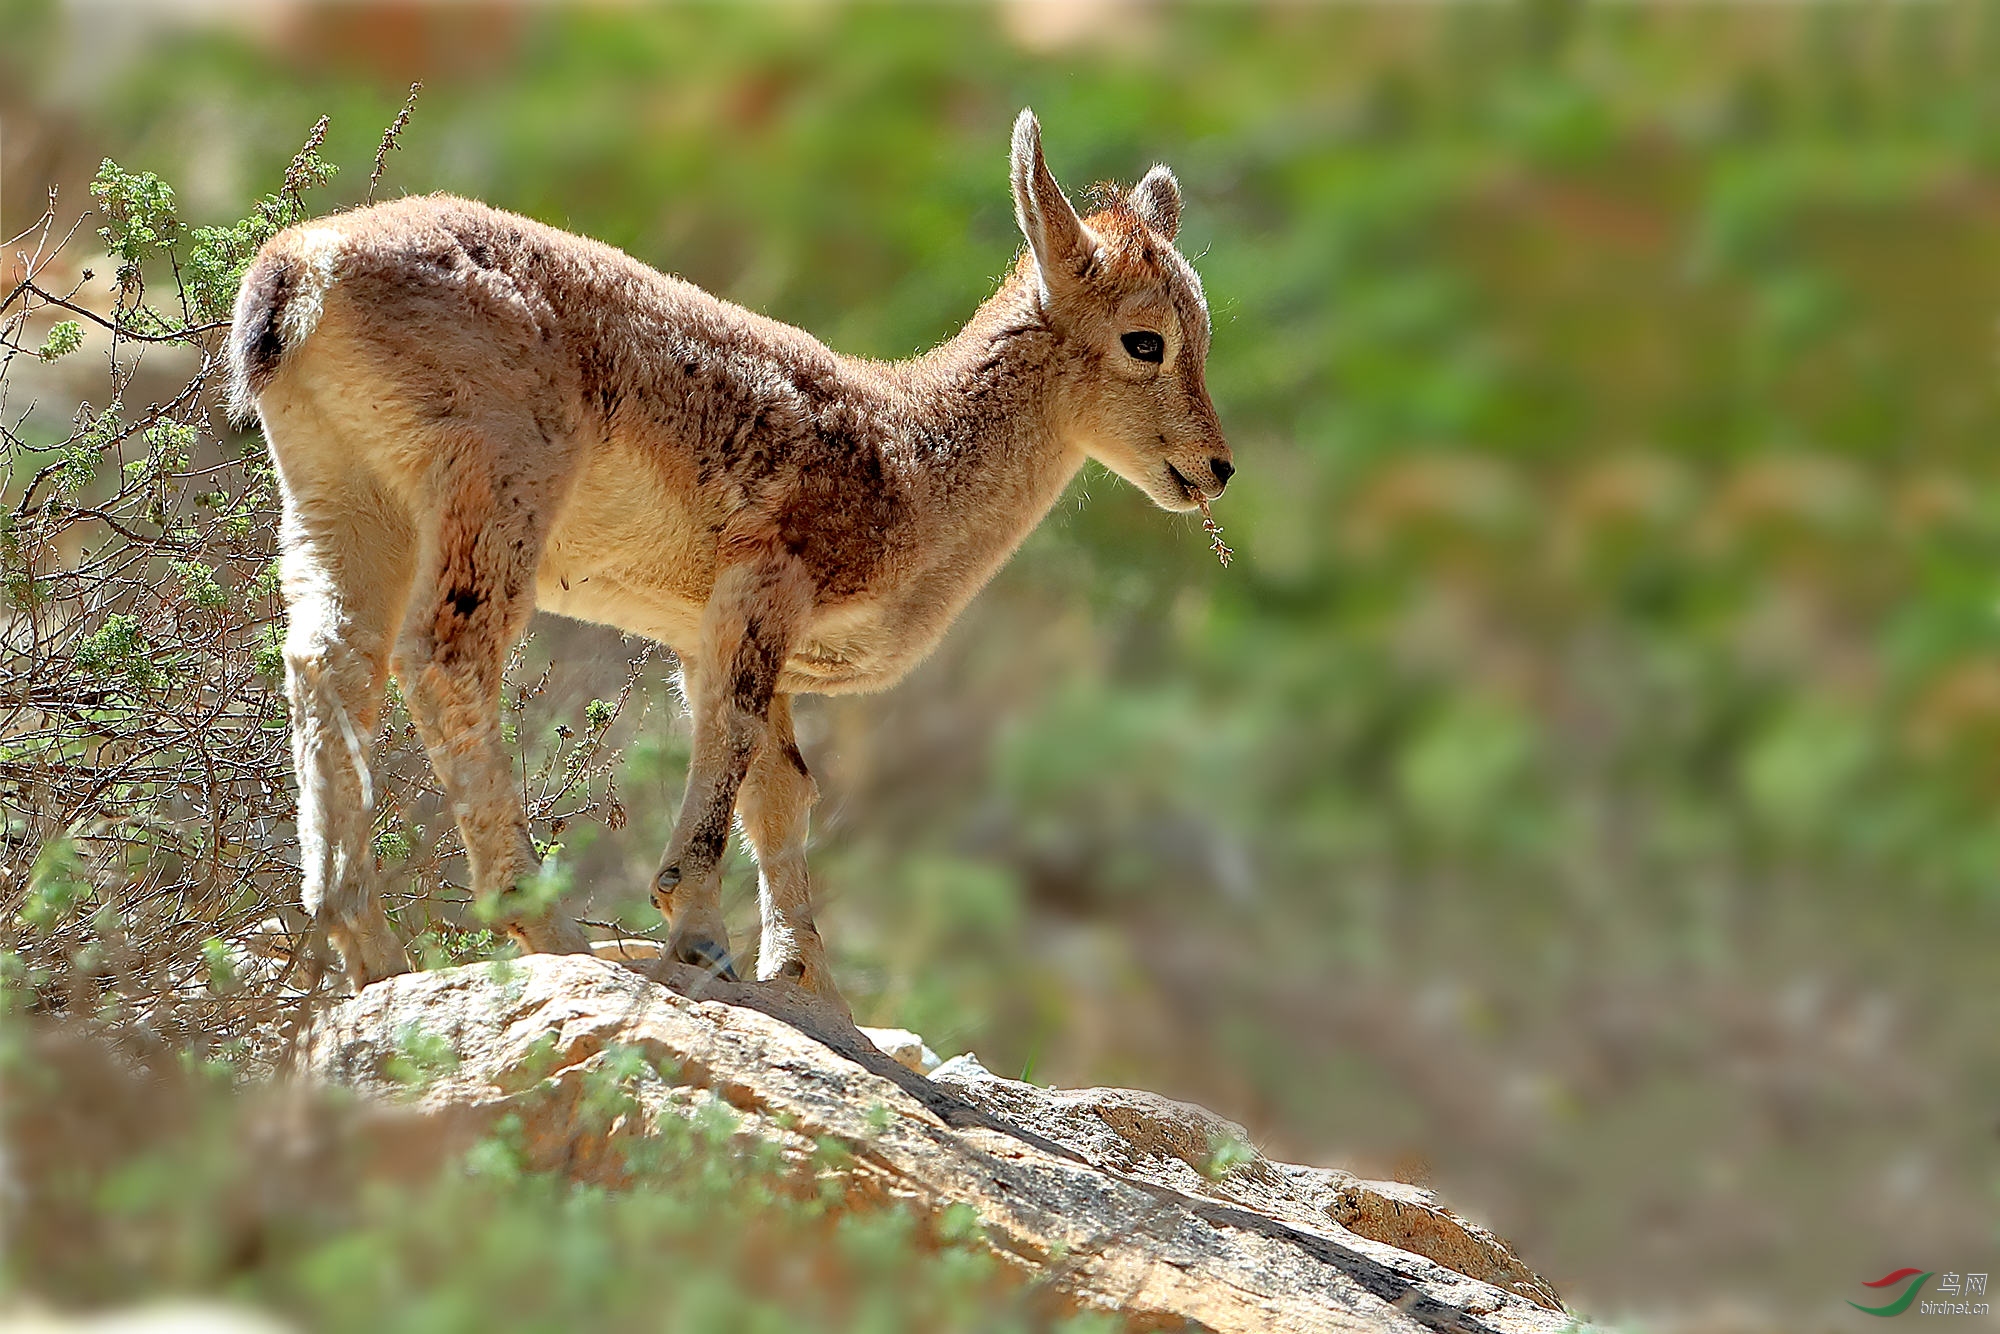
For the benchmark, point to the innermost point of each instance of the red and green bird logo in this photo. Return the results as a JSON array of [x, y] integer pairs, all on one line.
[[1916, 1279]]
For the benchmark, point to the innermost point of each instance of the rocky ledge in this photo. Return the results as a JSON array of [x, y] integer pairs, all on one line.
[[1128, 1201]]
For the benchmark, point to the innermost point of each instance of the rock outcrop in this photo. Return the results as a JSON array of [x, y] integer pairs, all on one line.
[[1128, 1201]]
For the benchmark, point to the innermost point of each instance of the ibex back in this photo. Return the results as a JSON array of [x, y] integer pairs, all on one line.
[[474, 415]]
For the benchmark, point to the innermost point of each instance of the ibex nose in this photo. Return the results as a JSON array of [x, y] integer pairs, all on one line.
[[1223, 470]]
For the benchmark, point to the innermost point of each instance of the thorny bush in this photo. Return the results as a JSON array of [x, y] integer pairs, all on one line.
[[147, 875]]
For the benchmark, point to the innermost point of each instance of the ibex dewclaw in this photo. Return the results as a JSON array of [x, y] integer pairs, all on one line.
[[474, 415]]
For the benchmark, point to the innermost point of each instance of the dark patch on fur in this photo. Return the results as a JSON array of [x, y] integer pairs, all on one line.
[[597, 373], [438, 404], [798, 760], [464, 601], [842, 558], [754, 678], [710, 837]]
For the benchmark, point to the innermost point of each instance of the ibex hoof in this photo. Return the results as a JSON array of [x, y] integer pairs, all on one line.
[[811, 977], [705, 953]]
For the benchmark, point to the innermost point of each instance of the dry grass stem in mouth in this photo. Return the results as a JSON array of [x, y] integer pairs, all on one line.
[[1214, 531]]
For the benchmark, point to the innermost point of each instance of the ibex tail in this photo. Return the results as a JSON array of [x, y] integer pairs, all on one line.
[[283, 294]]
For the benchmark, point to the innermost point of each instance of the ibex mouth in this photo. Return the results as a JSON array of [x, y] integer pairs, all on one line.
[[1193, 494]]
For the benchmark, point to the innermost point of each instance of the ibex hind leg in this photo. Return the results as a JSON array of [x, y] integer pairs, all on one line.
[[346, 567], [472, 601]]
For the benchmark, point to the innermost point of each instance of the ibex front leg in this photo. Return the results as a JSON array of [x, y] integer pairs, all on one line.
[[746, 632], [776, 800]]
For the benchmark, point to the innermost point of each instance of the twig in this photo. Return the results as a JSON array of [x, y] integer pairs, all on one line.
[[122, 330], [295, 175], [389, 137], [1214, 531]]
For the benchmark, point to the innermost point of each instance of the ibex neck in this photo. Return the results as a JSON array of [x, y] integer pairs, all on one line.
[[981, 413]]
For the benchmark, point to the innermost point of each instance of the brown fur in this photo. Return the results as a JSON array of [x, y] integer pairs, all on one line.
[[474, 415]]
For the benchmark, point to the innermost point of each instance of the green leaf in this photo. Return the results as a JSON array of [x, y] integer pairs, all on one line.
[[199, 585], [117, 650], [64, 338]]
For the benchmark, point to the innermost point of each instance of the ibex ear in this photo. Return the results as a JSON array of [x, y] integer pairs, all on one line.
[[1063, 246], [1157, 199]]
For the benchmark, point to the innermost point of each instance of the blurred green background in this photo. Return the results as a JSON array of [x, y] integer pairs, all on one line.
[[1580, 794]]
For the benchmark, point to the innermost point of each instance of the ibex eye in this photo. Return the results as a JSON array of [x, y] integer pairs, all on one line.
[[1145, 346]]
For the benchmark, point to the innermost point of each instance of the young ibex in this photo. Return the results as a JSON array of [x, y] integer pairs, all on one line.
[[474, 415]]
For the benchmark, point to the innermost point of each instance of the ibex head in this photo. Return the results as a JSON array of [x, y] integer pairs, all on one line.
[[1133, 324]]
